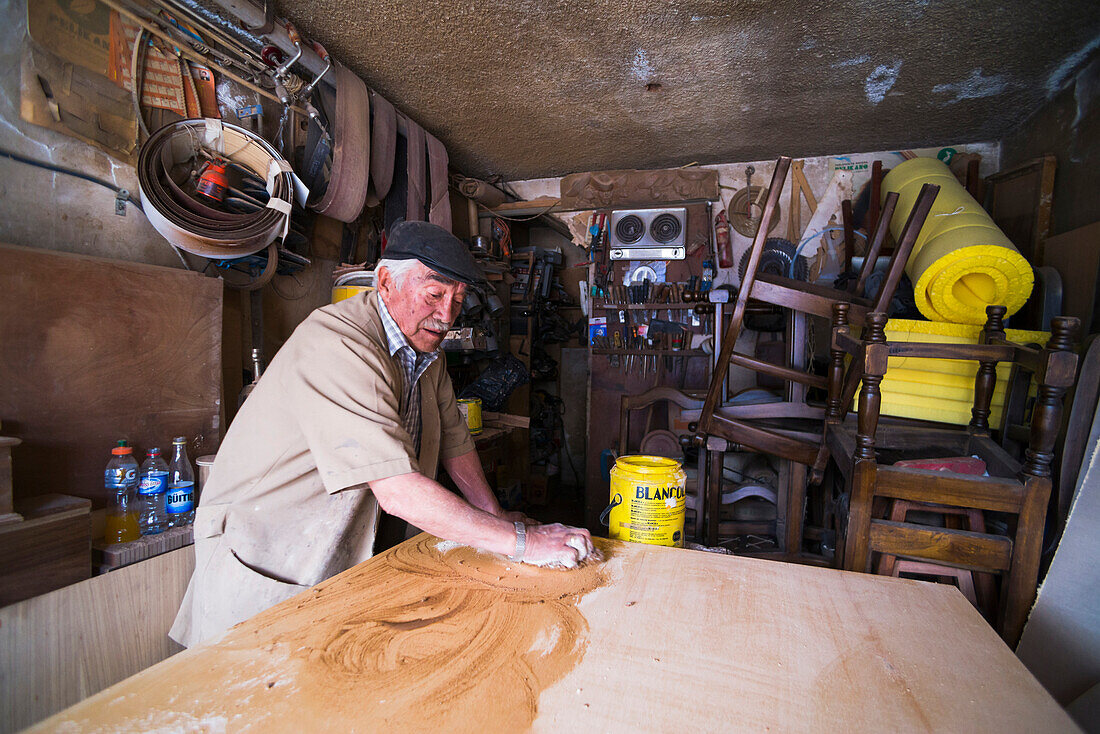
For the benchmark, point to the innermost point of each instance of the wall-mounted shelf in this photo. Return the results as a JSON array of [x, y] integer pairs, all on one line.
[[645, 306], [657, 352]]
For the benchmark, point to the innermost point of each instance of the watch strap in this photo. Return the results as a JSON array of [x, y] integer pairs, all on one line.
[[521, 542]]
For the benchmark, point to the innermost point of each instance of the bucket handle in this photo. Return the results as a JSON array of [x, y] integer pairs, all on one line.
[[618, 500]]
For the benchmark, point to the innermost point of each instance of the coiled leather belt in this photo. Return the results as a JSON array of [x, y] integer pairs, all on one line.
[[188, 223]]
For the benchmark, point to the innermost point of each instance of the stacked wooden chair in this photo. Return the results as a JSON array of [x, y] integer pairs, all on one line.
[[1018, 492], [761, 427]]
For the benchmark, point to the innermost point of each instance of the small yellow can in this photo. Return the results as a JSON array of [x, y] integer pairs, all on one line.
[[648, 501], [471, 411]]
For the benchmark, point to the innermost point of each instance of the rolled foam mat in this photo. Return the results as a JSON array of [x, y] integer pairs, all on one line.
[[961, 262]]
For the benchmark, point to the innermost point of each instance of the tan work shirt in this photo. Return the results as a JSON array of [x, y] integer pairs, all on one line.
[[287, 504]]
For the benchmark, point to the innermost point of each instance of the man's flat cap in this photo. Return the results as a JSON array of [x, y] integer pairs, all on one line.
[[435, 247]]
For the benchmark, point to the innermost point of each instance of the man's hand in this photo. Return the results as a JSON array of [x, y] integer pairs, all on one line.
[[517, 516], [557, 544]]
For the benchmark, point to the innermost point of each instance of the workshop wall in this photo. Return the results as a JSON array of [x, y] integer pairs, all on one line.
[[54, 211], [818, 170], [1068, 127]]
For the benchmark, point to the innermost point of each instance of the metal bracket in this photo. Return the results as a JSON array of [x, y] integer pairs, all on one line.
[[121, 197]]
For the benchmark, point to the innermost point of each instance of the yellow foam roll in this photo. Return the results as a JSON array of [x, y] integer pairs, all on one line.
[[956, 412], [941, 389], [961, 261], [944, 387]]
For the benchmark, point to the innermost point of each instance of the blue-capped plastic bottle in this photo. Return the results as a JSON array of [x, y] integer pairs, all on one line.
[[180, 502], [152, 494]]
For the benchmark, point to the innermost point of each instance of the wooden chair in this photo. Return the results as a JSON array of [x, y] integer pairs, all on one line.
[[1019, 492], [669, 396], [743, 427]]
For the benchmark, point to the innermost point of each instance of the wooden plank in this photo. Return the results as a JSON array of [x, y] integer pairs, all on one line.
[[116, 555], [62, 647], [997, 461], [921, 485], [806, 297], [50, 548], [97, 350], [1076, 257], [7, 506], [430, 638], [761, 439], [529, 207], [958, 548], [1019, 201], [507, 419], [778, 410]]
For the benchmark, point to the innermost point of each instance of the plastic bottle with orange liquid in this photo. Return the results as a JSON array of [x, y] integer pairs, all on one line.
[[120, 480]]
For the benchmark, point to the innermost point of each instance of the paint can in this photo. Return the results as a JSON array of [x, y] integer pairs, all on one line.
[[352, 284], [471, 411], [648, 501]]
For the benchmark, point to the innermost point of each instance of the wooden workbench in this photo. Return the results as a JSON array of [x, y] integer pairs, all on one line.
[[428, 637]]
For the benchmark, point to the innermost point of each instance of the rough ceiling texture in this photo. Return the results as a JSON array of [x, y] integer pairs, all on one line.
[[529, 89]]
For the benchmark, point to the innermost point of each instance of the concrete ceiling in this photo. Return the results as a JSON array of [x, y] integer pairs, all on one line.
[[527, 89]]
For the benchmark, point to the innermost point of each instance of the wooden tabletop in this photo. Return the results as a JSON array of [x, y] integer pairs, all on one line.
[[433, 637]]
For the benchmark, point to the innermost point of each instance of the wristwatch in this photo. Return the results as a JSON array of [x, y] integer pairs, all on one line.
[[521, 542]]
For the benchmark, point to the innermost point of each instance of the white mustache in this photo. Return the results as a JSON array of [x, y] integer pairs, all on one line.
[[436, 325]]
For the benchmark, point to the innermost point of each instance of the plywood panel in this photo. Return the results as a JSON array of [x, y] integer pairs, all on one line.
[[61, 647], [1076, 257], [96, 350], [433, 637]]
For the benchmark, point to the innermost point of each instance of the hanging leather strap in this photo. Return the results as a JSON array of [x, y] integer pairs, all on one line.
[[383, 144], [347, 186], [414, 209], [439, 209]]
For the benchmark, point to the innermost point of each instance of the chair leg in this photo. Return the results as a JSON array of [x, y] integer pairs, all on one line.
[[795, 509], [857, 551], [887, 564], [715, 461]]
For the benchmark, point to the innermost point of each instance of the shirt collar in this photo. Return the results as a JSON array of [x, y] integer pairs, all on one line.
[[396, 338]]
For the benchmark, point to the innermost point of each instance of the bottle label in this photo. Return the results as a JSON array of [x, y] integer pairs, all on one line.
[[181, 498], [154, 482], [118, 477]]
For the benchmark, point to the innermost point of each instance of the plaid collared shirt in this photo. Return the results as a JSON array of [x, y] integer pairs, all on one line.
[[413, 364]]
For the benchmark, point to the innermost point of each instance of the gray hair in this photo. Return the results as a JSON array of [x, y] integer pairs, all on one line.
[[398, 269]]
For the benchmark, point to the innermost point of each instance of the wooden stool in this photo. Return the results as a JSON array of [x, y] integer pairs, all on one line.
[[978, 588]]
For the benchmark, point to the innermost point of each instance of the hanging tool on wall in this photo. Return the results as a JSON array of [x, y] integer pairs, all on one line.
[[799, 188], [746, 207]]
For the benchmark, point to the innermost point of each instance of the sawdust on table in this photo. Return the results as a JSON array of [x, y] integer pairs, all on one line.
[[457, 641]]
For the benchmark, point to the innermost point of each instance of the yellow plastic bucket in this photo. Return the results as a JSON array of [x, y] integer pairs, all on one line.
[[961, 261], [342, 292], [648, 501]]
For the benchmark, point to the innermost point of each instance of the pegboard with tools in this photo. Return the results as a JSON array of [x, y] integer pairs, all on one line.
[[650, 316]]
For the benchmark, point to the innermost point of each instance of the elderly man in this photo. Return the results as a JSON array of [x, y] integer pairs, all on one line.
[[354, 413]]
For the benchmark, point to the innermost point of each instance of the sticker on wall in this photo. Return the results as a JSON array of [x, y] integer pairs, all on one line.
[[850, 163]]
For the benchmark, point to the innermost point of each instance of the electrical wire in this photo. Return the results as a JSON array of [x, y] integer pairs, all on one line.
[[70, 172], [86, 177]]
